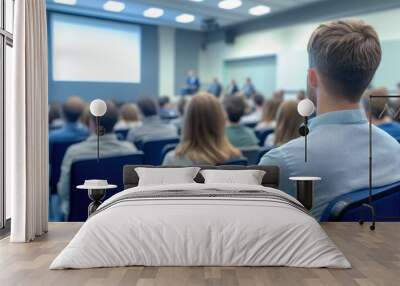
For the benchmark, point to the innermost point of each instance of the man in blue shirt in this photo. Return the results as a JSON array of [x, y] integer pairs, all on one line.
[[72, 130], [343, 58]]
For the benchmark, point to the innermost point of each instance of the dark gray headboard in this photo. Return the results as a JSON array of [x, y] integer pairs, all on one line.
[[271, 177]]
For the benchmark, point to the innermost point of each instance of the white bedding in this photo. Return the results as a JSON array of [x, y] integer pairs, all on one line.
[[201, 231]]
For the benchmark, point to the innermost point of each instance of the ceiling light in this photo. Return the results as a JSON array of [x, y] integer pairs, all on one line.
[[65, 2], [196, 0], [259, 10], [114, 6], [185, 18], [229, 4], [153, 12]]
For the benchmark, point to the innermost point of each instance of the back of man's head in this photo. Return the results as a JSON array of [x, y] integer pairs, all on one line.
[[73, 108], [378, 106], [235, 107], [258, 99], [147, 106], [110, 118], [163, 101], [346, 55]]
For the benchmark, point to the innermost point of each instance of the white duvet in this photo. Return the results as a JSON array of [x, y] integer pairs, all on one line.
[[200, 231]]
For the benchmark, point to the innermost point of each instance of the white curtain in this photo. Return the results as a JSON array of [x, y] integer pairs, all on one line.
[[26, 124]]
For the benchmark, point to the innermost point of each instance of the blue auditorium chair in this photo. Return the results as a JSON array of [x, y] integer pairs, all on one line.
[[251, 124], [109, 168], [251, 154], [263, 134], [153, 150], [56, 155], [121, 134], [348, 207], [237, 162], [167, 148], [264, 150]]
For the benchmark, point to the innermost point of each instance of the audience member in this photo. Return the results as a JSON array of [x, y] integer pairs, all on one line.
[[181, 106], [279, 95], [166, 110], [232, 88], [85, 117], [268, 116], [55, 120], [203, 140], [380, 110], [288, 121], [248, 88], [338, 137], [72, 130], [192, 84], [152, 126], [301, 95], [215, 88], [255, 116], [239, 135], [110, 146], [128, 117]]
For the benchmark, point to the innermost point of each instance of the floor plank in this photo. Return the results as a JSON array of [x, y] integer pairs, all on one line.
[[375, 257]]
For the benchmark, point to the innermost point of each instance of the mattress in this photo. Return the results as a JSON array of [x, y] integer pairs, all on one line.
[[201, 225]]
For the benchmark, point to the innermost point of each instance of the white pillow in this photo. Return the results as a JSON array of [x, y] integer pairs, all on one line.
[[247, 177], [166, 176]]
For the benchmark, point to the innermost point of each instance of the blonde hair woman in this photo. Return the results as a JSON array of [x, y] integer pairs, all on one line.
[[288, 121], [203, 140], [268, 116], [129, 117]]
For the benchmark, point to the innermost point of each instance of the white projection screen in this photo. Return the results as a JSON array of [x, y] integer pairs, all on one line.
[[92, 50]]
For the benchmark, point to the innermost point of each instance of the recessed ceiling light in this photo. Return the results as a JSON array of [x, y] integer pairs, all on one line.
[[153, 12], [185, 18], [65, 2], [259, 10], [114, 6], [229, 4], [196, 0]]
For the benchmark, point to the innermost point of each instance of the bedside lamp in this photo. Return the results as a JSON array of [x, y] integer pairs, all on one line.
[[305, 108], [98, 108]]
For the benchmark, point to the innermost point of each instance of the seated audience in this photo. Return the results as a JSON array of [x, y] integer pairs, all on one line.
[[232, 88], [109, 146], [268, 115], [203, 140], [55, 120], [215, 88], [72, 130], [238, 134], [338, 138], [380, 112], [255, 116], [166, 110], [152, 126], [128, 117], [85, 117], [279, 95], [248, 88], [288, 121]]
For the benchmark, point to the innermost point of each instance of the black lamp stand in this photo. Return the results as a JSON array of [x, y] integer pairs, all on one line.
[[369, 205]]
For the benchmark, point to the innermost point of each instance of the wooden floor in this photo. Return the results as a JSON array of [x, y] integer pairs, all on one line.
[[375, 257]]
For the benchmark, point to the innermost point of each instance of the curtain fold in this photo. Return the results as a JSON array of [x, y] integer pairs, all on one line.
[[26, 123]]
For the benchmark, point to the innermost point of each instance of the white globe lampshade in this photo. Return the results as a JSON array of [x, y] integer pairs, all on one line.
[[305, 107], [98, 107]]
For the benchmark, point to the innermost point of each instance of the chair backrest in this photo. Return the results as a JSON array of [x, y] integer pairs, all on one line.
[[167, 148], [263, 134], [235, 162], [250, 124], [109, 168], [347, 207], [264, 150], [56, 155], [252, 154], [121, 134], [153, 150]]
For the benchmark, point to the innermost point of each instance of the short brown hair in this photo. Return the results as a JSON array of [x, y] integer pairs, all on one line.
[[235, 107], [347, 54], [379, 105]]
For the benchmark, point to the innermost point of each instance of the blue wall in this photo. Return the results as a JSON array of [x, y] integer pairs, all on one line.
[[60, 90]]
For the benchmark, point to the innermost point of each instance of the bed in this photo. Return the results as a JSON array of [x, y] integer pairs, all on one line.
[[198, 224]]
